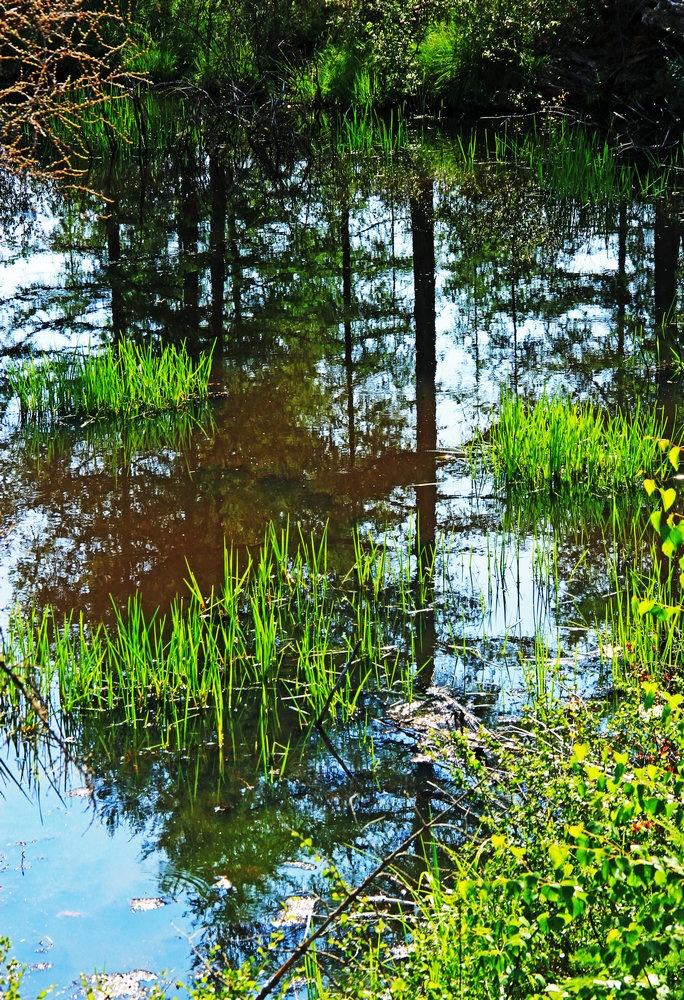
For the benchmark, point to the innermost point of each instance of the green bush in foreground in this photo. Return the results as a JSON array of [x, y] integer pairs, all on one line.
[[122, 381], [579, 893]]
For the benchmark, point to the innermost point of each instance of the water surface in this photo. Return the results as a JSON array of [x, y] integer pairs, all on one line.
[[365, 323]]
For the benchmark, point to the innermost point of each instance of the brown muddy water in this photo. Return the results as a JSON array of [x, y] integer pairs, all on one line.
[[366, 320]]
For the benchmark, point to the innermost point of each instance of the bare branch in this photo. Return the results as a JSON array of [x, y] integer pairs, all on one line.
[[62, 67]]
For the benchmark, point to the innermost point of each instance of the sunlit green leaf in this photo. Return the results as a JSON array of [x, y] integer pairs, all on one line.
[[558, 853], [669, 496]]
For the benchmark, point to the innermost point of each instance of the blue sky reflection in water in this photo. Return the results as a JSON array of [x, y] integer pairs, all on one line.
[[67, 882], [322, 413]]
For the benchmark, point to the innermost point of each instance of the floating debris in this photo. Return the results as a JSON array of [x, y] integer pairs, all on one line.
[[223, 883], [297, 911], [150, 903], [84, 792], [437, 712], [40, 966], [305, 866], [439, 725], [124, 985], [44, 945]]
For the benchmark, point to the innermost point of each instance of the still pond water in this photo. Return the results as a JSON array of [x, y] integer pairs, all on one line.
[[366, 322]]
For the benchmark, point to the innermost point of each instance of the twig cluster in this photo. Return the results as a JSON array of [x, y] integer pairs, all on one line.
[[62, 64]]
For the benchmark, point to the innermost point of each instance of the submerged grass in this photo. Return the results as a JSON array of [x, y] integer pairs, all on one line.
[[124, 381], [115, 444], [364, 131], [569, 159], [285, 629]]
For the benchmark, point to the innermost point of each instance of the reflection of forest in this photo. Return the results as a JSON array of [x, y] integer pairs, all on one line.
[[203, 819], [365, 324], [362, 322]]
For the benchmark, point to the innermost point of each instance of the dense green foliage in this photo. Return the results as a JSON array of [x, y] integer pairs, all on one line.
[[439, 53], [260, 62], [580, 891]]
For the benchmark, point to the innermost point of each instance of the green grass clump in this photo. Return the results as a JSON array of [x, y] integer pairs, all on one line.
[[280, 626], [556, 444], [123, 381]]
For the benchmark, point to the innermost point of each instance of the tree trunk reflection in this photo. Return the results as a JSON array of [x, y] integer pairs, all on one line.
[[423, 237]]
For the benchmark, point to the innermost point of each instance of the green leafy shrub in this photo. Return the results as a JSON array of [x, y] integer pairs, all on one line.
[[580, 891], [381, 38]]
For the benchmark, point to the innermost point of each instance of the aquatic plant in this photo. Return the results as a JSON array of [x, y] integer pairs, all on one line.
[[643, 618], [123, 381], [570, 160], [279, 626], [555, 444], [364, 131]]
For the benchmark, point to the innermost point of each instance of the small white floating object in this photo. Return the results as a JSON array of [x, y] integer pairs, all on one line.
[[150, 903], [222, 882], [84, 792], [120, 985], [296, 911]]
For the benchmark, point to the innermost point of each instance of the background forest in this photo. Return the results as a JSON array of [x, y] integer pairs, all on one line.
[[64, 64], [448, 54]]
